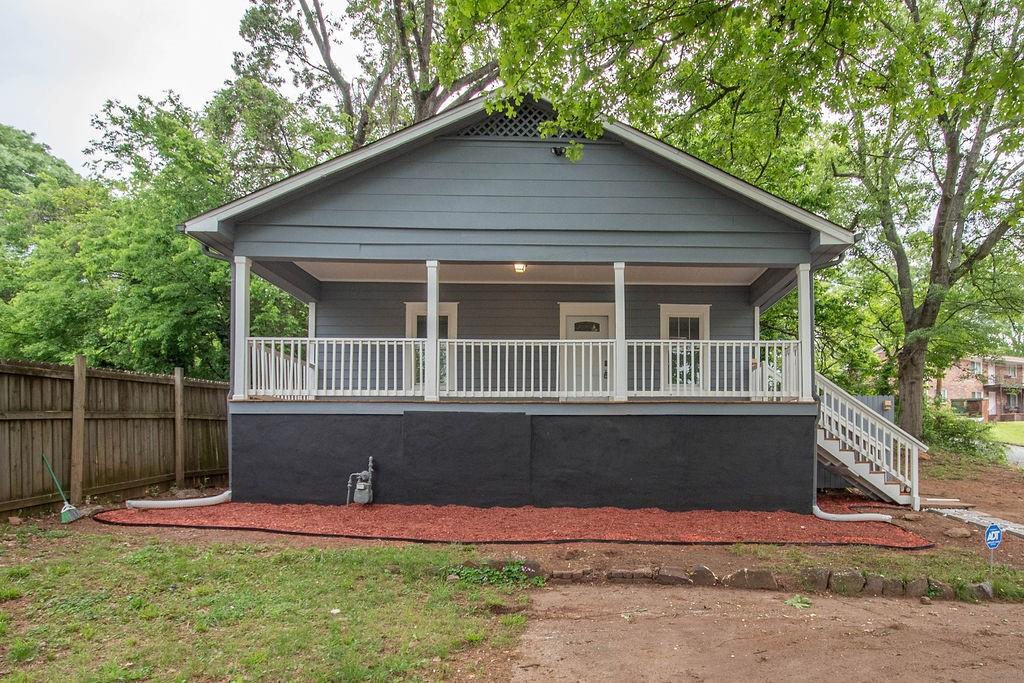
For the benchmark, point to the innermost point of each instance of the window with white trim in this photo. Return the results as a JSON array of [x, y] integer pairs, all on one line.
[[685, 364], [416, 328], [685, 321]]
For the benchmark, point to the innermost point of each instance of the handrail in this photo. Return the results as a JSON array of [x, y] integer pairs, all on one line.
[[869, 435], [821, 379]]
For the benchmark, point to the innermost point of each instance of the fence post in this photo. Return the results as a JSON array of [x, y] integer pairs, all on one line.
[[179, 428], [75, 485]]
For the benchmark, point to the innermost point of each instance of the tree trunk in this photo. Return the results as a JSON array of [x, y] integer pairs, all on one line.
[[910, 366]]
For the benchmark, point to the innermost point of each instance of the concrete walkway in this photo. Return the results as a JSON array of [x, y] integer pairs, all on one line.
[[981, 519], [1015, 454]]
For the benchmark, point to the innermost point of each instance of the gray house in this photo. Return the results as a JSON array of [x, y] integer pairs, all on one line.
[[497, 324]]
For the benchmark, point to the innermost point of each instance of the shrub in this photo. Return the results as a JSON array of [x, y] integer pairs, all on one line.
[[959, 435]]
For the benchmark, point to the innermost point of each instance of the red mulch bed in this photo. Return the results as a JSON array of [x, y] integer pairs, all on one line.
[[461, 524]]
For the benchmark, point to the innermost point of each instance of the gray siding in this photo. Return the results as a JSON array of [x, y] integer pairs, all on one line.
[[463, 199], [364, 309], [522, 312]]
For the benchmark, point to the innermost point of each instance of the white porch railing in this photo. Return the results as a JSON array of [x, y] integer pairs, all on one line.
[[544, 368], [869, 435], [305, 368], [278, 367], [761, 370], [294, 368]]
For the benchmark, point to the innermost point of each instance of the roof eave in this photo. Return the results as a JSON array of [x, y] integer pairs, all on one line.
[[830, 232], [213, 220], [214, 226]]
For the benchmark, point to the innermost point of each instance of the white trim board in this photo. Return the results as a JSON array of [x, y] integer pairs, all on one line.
[[413, 309], [701, 311], [567, 308], [536, 273]]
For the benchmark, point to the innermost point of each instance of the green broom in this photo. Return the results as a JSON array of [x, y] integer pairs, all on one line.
[[69, 512]]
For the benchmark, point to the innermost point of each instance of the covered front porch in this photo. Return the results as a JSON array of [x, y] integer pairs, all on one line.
[[480, 332]]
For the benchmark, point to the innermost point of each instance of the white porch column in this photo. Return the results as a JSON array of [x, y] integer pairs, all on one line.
[[620, 332], [240, 327], [311, 319], [805, 326], [430, 364], [757, 323]]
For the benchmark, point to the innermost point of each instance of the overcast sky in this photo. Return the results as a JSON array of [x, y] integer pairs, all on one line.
[[61, 59]]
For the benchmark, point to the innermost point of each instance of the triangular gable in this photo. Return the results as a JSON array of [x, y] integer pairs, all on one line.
[[471, 119]]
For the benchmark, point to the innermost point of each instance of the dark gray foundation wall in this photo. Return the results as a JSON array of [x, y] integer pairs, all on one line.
[[673, 462]]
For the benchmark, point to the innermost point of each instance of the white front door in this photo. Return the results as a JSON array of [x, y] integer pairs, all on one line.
[[586, 367]]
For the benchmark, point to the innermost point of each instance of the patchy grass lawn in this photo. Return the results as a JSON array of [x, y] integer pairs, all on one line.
[[954, 566], [1008, 432], [104, 608], [943, 465]]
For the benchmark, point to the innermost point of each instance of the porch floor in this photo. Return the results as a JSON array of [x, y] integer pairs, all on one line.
[[462, 524]]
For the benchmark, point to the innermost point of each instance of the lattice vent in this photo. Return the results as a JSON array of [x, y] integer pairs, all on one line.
[[523, 125]]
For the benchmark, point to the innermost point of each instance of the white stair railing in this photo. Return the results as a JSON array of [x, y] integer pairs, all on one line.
[[526, 368], [870, 437]]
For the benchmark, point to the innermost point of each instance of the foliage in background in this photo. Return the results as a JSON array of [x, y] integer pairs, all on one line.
[[901, 120], [959, 435], [99, 268], [25, 163], [816, 101], [295, 45]]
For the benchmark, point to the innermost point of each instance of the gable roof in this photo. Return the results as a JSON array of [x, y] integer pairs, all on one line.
[[214, 227]]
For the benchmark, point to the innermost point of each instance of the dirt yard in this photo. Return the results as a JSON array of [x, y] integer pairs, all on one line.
[[647, 633], [998, 491]]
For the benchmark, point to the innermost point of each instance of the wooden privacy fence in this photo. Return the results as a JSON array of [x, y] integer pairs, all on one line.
[[104, 431]]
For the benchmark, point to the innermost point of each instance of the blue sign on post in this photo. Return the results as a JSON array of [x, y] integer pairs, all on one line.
[[993, 536]]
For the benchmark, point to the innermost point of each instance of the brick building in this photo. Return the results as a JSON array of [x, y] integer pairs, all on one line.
[[989, 388]]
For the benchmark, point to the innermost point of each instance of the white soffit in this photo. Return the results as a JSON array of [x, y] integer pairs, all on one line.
[[540, 273]]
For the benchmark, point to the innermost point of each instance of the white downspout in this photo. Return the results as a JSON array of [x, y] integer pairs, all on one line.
[[806, 326], [850, 517], [183, 503]]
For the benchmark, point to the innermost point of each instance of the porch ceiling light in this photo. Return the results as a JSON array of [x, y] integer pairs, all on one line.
[[519, 267]]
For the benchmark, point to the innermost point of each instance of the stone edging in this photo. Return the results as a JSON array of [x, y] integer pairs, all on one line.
[[847, 582]]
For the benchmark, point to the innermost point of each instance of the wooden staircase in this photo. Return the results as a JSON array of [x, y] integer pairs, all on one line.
[[865, 448]]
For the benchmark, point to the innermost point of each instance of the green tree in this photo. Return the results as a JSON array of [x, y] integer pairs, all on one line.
[[921, 102], [99, 267], [60, 292], [25, 163], [299, 44], [933, 113]]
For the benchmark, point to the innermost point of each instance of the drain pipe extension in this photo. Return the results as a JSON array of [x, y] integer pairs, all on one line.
[[852, 517], [183, 503]]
